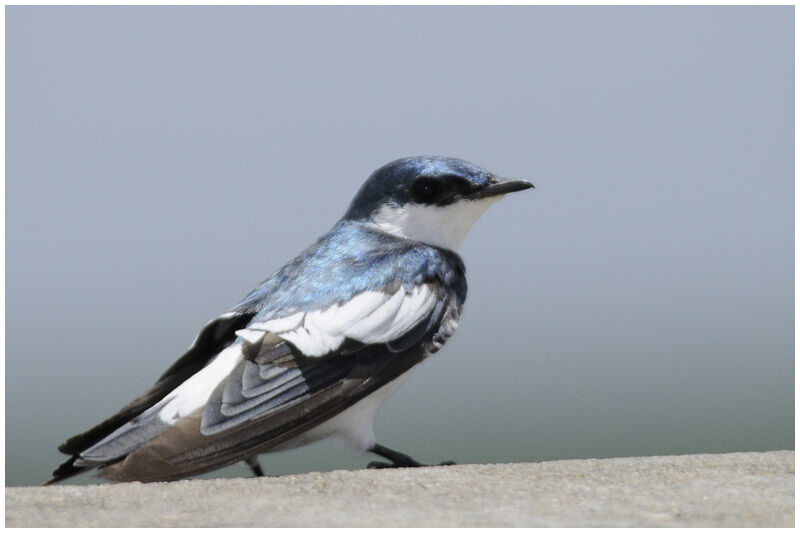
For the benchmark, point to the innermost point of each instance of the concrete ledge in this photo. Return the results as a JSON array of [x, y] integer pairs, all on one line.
[[737, 489]]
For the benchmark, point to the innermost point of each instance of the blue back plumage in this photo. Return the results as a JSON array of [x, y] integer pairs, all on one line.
[[352, 258]]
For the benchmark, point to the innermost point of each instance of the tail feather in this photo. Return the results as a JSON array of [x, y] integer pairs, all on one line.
[[213, 338]]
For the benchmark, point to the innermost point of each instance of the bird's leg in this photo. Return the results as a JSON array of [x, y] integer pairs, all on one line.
[[255, 466], [398, 459]]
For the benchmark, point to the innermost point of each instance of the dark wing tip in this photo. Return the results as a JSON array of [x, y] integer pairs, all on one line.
[[66, 470], [76, 444]]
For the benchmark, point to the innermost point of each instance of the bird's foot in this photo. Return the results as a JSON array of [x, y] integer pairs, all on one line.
[[398, 459]]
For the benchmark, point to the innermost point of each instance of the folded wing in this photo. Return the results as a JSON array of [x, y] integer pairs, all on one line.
[[282, 376]]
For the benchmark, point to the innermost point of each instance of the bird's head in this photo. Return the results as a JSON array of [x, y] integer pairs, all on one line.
[[430, 199]]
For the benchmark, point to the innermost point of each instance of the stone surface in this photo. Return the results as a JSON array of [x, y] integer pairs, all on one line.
[[737, 489]]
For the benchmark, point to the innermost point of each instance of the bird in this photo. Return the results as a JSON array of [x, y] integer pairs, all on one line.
[[317, 347]]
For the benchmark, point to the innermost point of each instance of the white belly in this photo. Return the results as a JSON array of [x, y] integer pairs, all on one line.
[[353, 426]]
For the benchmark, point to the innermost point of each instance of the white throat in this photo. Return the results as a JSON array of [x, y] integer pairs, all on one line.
[[443, 226]]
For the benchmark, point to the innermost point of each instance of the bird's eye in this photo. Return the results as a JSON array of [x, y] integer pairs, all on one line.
[[426, 190], [464, 187]]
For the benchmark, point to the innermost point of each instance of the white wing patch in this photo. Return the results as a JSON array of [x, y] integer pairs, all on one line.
[[193, 393], [370, 317]]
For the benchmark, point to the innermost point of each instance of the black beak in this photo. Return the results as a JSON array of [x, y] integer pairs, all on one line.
[[498, 186]]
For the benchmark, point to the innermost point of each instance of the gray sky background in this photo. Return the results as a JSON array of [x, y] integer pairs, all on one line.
[[162, 161]]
